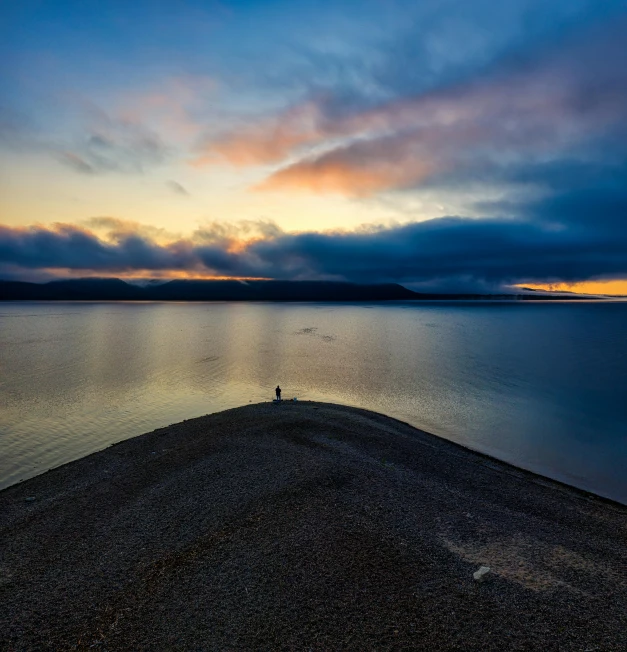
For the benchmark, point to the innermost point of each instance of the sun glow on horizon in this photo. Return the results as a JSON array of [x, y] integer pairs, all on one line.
[[148, 275], [609, 288]]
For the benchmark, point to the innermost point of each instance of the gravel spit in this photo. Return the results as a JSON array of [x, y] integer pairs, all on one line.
[[306, 526]]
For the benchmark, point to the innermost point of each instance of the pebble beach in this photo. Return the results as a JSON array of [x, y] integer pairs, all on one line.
[[306, 526]]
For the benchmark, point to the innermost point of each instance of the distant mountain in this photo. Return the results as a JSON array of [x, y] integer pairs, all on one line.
[[118, 290], [113, 289], [277, 291]]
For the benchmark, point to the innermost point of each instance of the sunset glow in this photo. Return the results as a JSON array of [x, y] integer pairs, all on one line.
[[609, 288], [367, 141]]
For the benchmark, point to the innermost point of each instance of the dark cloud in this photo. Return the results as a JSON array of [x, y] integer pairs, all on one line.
[[498, 251], [573, 194], [70, 247], [571, 236]]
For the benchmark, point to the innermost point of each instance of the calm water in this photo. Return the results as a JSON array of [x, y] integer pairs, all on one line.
[[540, 385]]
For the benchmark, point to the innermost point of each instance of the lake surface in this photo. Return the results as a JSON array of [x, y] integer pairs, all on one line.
[[541, 385]]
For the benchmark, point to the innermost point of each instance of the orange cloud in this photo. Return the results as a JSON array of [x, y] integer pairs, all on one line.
[[529, 108], [404, 142], [272, 139], [266, 141], [114, 229], [346, 177]]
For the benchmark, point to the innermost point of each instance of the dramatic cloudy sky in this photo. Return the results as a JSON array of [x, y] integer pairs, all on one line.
[[436, 143]]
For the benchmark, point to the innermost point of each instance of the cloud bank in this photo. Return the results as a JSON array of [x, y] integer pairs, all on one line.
[[569, 237]]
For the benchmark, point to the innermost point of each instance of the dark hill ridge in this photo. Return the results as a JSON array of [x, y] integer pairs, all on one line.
[[113, 289], [70, 290], [191, 290], [277, 291]]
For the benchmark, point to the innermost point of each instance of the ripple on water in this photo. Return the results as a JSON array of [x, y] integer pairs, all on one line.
[[537, 385]]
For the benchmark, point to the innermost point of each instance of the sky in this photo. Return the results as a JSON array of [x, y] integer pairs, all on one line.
[[441, 144]]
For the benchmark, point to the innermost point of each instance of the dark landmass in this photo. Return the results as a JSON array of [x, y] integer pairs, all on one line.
[[306, 526], [192, 290]]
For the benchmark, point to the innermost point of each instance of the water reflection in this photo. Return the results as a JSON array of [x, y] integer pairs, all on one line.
[[536, 384]]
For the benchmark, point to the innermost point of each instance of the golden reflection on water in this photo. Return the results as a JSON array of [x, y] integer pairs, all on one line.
[[535, 384]]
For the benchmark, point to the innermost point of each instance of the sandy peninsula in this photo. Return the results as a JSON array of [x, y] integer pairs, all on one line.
[[306, 526]]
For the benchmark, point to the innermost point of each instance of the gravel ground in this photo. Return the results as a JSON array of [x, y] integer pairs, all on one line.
[[306, 526]]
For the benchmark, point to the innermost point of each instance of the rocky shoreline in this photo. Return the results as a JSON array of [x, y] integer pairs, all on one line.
[[306, 526]]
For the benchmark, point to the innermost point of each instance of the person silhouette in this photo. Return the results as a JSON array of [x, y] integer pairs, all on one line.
[[278, 393]]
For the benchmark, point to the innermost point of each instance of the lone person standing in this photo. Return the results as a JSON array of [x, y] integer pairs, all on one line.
[[278, 393]]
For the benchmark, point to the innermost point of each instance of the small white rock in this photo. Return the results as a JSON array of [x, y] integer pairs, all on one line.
[[478, 575], [30, 499]]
